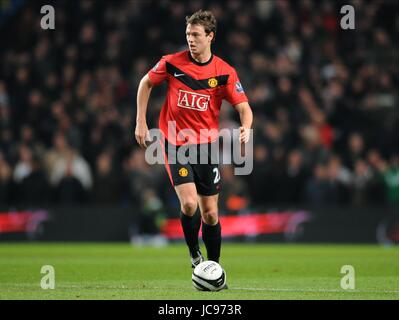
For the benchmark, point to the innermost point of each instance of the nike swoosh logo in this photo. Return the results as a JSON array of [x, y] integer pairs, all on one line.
[[178, 74]]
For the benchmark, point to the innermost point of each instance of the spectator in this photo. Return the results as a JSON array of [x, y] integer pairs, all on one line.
[[58, 151], [355, 150], [312, 150], [69, 190], [340, 179], [319, 189], [23, 168], [7, 185], [390, 175], [234, 195], [259, 182], [294, 178], [361, 183], [152, 213], [34, 189], [72, 165], [107, 185], [139, 177]]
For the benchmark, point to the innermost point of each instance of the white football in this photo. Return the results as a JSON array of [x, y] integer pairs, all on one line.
[[209, 276]]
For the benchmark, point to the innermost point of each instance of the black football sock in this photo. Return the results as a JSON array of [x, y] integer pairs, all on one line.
[[212, 237], [191, 226]]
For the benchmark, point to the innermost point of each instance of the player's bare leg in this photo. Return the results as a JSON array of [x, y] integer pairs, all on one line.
[[190, 221], [211, 230], [187, 194]]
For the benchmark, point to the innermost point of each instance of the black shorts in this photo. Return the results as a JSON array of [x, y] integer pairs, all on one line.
[[194, 163]]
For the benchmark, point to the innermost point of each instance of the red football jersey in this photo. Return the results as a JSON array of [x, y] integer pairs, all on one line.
[[195, 94]]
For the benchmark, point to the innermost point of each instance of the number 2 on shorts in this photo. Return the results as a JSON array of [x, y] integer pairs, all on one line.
[[217, 175]]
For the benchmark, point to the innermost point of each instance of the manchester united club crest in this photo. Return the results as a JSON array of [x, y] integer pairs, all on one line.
[[183, 172], [212, 82]]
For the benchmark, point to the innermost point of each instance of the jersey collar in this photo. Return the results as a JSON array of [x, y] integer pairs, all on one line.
[[199, 63]]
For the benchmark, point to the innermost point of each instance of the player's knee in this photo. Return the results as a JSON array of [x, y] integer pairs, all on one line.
[[210, 217], [189, 206]]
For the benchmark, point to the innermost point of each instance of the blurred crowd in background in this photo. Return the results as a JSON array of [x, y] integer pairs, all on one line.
[[325, 102]]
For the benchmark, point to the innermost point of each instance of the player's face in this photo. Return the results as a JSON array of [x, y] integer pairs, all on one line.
[[197, 39]]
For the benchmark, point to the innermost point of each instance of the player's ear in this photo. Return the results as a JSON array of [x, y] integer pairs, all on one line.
[[211, 36]]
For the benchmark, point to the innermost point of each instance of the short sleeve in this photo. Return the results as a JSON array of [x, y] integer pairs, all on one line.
[[234, 93], [158, 73]]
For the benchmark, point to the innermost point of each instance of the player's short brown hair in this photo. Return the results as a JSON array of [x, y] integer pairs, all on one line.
[[205, 19]]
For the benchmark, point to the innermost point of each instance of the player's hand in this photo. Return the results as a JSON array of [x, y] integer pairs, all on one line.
[[244, 134], [142, 134]]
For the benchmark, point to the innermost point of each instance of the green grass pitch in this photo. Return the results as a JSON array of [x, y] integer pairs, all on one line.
[[254, 271]]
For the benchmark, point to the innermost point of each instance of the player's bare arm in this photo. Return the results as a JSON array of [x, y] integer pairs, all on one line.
[[143, 95], [246, 118]]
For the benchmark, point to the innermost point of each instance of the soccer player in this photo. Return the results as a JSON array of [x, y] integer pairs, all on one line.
[[198, 81]]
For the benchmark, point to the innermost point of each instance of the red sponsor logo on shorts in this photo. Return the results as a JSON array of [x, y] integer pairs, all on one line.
[[192, 100]]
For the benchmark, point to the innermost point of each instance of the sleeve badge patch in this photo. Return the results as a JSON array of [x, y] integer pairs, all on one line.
[[239, 87]]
